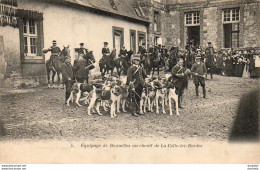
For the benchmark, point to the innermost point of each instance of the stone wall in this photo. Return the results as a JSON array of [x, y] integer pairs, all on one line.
[[172, 29], [209, 27], [252, 25]]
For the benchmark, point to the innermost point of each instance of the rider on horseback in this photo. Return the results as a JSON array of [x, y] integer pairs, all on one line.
[[123, 52], [105, 50], [55, 51]]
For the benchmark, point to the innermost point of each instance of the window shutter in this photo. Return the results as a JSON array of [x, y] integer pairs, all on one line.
[[20, 25], [40, 40]]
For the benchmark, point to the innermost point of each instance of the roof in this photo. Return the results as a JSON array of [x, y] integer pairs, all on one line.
[[125, 8]]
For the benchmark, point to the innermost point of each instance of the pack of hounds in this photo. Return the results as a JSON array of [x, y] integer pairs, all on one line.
[[113, 93]]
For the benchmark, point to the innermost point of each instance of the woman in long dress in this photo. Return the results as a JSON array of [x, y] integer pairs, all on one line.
[[246, 73]]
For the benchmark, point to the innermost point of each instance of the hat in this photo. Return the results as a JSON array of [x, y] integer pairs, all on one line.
[[136, 57], [82, 44], [105, 43], [54, 42], [197, 57], [143, 44]]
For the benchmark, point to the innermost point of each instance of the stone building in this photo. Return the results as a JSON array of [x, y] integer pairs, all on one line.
[[225, 23]]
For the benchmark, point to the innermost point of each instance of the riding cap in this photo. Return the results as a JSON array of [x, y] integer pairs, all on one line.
[[209, 43], [54, 42], [82, 44], [143, 44], [198, 57], [136, 57], [105, 43]]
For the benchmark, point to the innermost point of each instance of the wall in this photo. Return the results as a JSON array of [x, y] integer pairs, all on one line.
[[11, 50], [211, 22], [252, 25], [70, 26]]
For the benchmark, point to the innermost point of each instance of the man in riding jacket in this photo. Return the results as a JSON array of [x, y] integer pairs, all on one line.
[[179, 80], [135, 79], [209, 52], [199, 71], [123, 51], [68, 76], [55, 51], [82, 50], [105, 50], [80, 65]]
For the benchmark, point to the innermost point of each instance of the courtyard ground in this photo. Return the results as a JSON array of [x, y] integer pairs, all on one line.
[[40, 114]]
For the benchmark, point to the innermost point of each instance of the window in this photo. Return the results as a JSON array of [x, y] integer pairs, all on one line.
[[156, 25], [133, 40], [192, 18], [30, 37], [231, 15], [141, 38], [118, 39], [231, 35]]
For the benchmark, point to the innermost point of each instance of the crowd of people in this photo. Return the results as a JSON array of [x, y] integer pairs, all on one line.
[[181, 64]]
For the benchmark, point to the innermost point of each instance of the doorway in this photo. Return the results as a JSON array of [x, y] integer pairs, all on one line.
[[193, 34]]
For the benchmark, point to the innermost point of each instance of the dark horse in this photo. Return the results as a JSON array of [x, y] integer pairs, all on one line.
[[173, 59], [123, 63], [156, 61], [107, 63], [146, 62], [55, 66], [90, 62]]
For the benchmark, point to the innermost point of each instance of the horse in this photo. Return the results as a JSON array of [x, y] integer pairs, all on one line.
[[173, 59], [211, 65], [107, 63], [119, 64], [147, 64], [155, 61], [90, 61], [55, 66]]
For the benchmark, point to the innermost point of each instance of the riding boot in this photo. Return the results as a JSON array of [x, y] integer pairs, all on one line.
[[67, 95], [180, 102], [134, 106], [204, 92], [197, 90]]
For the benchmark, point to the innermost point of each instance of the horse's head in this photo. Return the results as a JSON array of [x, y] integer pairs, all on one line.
[[113, 53], [90, 56], [64, 53]]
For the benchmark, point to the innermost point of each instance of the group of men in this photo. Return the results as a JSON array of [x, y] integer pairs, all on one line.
[[135, 74], [71, 73]]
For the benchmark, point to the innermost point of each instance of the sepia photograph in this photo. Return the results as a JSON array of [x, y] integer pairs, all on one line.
[[136, 81]]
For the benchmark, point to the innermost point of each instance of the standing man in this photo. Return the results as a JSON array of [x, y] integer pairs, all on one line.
[[105, 50], [135, 80], [199, 71], [209, 52], [179, 80], [55, 51], [80, 65], [68, 76]]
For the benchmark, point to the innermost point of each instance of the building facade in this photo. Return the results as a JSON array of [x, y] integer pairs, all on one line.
[[225, 23]]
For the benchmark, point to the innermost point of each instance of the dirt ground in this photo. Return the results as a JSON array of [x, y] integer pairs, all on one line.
[[40, 114]]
